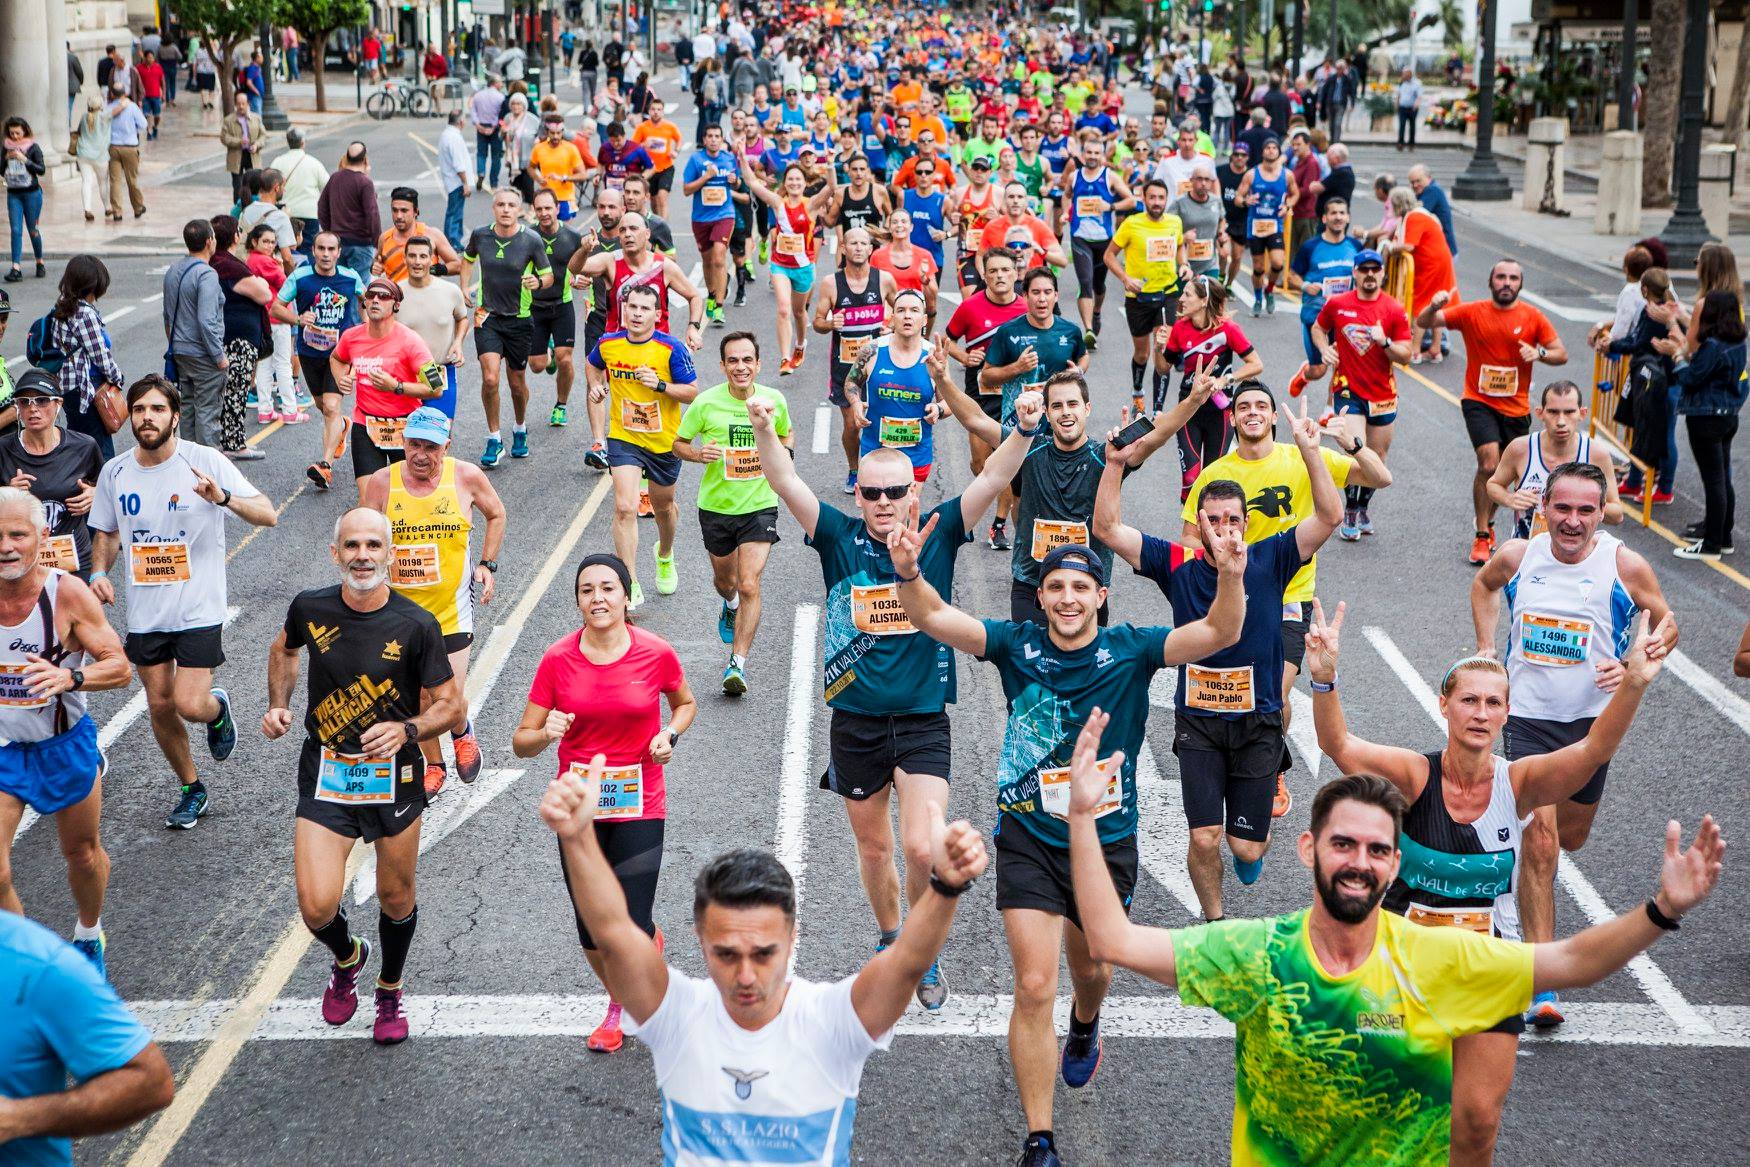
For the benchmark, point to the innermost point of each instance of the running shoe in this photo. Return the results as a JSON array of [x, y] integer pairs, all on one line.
[[320, 473], [637, 599], [390, 1028], [340, 1000], [1700, 549], [1257, 305], [189, 808], [519, 443], [714, 313], [1038, 1153], [597, 458], [1269, 303], [494, 451], [785, 368], [726, 624], [1544, 1013], [667, 578], [1284, 798], [1297, 383], [559, 416], [999, 536], [607, 1038], [1350, 530], [1096, 323], [850, 486], [467, 748], [1366, 521], [296, 417], [1081, 1058], [436, 774], [221, 730], [798, 354], [92, 950], [1089, 339], [1327, 417], [933, 989], [762, 250], [734, 681], [265, 416], [741, 296], [1481, 548]]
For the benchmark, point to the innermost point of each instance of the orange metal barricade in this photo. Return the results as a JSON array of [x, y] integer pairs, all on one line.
[[1609, 379]]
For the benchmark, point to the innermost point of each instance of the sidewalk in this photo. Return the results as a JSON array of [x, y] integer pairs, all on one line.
[[187, 144]]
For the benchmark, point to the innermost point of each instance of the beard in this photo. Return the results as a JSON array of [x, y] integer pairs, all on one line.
[[16, 570], [1346, 907], [364, 587], [157, 439], [1505, 296]]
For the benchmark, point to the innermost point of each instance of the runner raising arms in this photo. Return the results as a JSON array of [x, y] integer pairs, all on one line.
[[376, 657], [793, 251], [975, 321], [1527, 462], [738, 512], [430, 498], [853, 309], [597, 693], [57, 647]]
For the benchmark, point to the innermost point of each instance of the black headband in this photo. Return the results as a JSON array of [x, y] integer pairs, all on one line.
[[610, 561]]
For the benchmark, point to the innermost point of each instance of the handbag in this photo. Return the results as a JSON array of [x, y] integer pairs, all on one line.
[[111, 406]]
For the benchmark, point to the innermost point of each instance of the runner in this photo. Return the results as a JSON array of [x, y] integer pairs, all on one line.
[[910, 266], [892, 388], [974, 205], [854, 313], [862, 203], [1053, 678], [1204, 219], [596, 693], [1030, 349], [803, 1043], [661, 140], [888, 685], [1527, 462], [793, 253], [552, 315], [970, 329], [59, 467], [1323, 268], [1229, 178], [404, 224], [711, 180], [391, 370], [636, 192], [1453, 874], [1093, 193], [1228, 719], [633, 263], [619, 158], [322, 299], [430, 498], [1147, 254], [639, 378], [557, 166], [376, 659], [926, 202], [1312, 992], [1203, 341], [1503, 337], [1572, 594], [738, 512], [510, 262], [1023, 232], [1267, 192], [165, 501], [58, 646], [436, 311], [1036, 173], [1362, 335]]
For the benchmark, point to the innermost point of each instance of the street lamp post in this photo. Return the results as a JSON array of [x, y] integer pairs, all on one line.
[[1625, 79], [272, 116], [1686, 230], [1482, 180]]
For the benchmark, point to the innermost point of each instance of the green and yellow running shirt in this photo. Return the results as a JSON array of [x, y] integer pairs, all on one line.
[[734, 484], [1351, 1069]]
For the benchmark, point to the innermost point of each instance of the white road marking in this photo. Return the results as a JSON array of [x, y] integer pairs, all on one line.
[[1578, 315], [965, 1015], [153, 298], [792, 836], [112, 317], [1650, 976], [441, 818], [1164, 839], [1730, 706], [822, 428]]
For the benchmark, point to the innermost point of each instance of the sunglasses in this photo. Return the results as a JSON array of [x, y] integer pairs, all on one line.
[[378, 296], [38, 402], [875, 493], [1368, 267]]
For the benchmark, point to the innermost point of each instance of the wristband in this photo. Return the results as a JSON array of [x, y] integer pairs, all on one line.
[[1660, 920], [906, 578], [1322, 686], [226, 501], [950, 892], [100, 575]]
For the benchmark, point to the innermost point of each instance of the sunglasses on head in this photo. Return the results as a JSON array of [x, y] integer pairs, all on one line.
[[875, 493]]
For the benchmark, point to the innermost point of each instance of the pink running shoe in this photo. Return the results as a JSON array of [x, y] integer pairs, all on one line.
[[391, 1024], [340, 1000]]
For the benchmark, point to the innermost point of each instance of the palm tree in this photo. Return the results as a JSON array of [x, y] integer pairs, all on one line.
[[1664, 65]]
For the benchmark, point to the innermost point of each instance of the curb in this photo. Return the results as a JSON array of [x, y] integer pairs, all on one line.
[[209, 162]]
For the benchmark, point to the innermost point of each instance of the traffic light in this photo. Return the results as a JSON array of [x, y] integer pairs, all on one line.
[[1209, 5], [1166, 7]]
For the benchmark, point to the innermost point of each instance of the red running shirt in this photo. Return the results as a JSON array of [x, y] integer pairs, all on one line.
[[1362, 363]]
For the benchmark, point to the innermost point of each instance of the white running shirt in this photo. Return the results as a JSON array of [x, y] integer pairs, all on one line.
[[786, 1093], [1562, 619]]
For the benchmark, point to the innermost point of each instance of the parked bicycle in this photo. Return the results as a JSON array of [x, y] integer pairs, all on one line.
[[396, 97]]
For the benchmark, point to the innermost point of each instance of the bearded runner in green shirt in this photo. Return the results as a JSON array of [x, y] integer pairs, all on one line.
[[738, 512], [1344, 1014], [888, 683]]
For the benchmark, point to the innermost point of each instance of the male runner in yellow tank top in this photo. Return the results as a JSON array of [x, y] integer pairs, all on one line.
[[430, 498]]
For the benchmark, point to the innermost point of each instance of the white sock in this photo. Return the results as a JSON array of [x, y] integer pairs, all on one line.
[[519, 429], [496, 436], [739, 661], [81, 932], [733, 603]]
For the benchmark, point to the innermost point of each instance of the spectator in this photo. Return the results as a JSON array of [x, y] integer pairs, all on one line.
[[151, 77], [454, 171], [75, 80], [89, 362], [8, 408], [92, 154], [194, 322], [252, 81], [170, 57], [348, 207], [1383, 185], [1308, 185], [371, 56], [486, 108], [1710, 394], [23, 170], [126, 124], [58, 1019], [1409, 95], [589, 65], [305, 179], [206, 78], [270, 188], [1434, 200], [276, 391], [1340, 181], [512, 62], [289, 47], [434, 68], [246, 335], [521, 130], [242, 135], [1419, 233]]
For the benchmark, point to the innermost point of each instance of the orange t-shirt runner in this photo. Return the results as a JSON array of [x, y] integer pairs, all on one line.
[[661, 140], [910, 278], [1494, 374]]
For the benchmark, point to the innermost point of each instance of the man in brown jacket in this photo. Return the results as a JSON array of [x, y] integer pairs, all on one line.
[[243, 137]]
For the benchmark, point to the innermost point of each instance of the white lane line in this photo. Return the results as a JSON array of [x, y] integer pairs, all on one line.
[[966, 1015], [792, 837], [822, 428], [1650, 976], [1163, 837], [153, 298], [112, 317], [1730, 706], [111, 731], [1578, 315], [440, 819]]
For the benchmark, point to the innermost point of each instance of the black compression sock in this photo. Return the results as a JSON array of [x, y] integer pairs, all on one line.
[[888, 937], [1080, 1028], [1349, 502], [397, 937], [1136, 374], [336, 937], [1363, 495]]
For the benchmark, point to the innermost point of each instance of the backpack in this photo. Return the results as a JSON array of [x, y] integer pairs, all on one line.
[[40, 348]]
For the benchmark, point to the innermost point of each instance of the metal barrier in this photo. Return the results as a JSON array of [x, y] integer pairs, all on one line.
[[1400, 277], [1609, 379], [448, 96]]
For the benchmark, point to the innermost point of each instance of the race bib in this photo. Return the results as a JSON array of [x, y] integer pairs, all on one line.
[[1090, 206], [1054, 791], [319, 338], [58, 551], [1049, 534], [791, 244], [713, 196], [1163, 248], [1478, 920], [1184, 188], [741, 463], [1336, 285], [851, 347], [641, 417], [1200, 250], [876, 610], [622, 791], [1264, 228], [15, 692], [657, 145], [616, 181], [154, 564], [479, 316], [416, 566], [385, 432], [1219, 690], [354, 781], [1497, 381], [1555, 641], [902, 431], [1381, 408]]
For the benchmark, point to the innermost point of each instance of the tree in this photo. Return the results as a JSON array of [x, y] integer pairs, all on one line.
[[1378, 22], [223, 25], [1735, 110], [316, 21], [1664, 65]]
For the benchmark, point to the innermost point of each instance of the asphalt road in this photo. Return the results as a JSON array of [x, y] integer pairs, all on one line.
[[203, 930]]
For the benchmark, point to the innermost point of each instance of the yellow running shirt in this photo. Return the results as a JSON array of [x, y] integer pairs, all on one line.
[[431, 565], [637, 414], [1278, 495], [1151, 251]]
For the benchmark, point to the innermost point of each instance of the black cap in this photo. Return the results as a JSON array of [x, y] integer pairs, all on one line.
[[5, 303], [1077, 557], [36, 383]]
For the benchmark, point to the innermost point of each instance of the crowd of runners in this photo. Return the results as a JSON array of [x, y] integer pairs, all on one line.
[[918, 188]]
